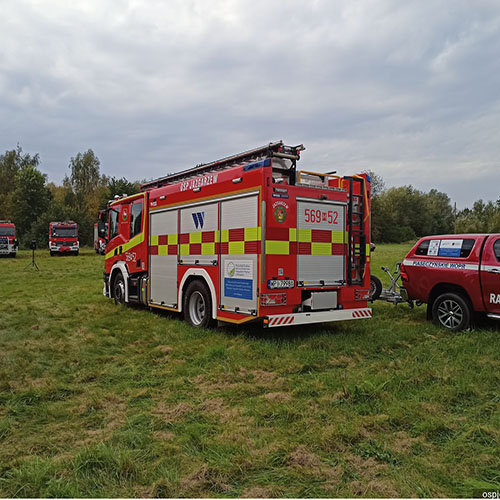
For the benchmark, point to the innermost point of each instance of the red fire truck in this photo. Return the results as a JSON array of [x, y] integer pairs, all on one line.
[[8, 241], [245, 238], [100, 233], [63, 238]]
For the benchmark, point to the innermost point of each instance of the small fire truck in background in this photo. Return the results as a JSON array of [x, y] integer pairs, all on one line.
[[100, 233], [63, 238], [246, 238], [8, 241]]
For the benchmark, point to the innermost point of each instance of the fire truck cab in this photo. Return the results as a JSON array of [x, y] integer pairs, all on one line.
[[63, 238], [8, 240], [245, 238]]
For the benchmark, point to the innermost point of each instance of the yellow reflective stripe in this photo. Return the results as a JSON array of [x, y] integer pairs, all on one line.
[[217, 235], [236, 247], [292, 234], [194, 237], [136, 240], [337, 236], [163, 250], [368, 249], [172, 239], [321, 249], [224, 235], [153, 240], [277, 247], [251, 234], [184, 250], [208, 249], [304, 235]]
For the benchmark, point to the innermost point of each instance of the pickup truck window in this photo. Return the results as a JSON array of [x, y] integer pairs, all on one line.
[[496, 249], [422, 248], [465, 249]]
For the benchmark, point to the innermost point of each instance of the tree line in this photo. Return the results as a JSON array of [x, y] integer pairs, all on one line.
[[404, 213], [31, 202], [27, 198]]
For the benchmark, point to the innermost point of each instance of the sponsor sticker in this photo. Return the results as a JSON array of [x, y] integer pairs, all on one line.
[[433, 247], [450, 248], [238, 279]]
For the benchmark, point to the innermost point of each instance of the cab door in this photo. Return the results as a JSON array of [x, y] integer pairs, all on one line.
[[119, 230], [490, 274]]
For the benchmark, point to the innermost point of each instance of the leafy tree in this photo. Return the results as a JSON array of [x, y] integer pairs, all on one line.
[[117, 187], [31, 199], [11, 163], [84, 188]]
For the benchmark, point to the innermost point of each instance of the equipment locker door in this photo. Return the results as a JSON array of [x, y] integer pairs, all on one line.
[[239, 245], [197, 234], [321, 249], [163, 258], [490, 274]]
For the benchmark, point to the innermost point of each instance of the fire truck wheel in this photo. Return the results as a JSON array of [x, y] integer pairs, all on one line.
[[119, 289], [198, 305], [51, 253], [375, 288], [452, 311]]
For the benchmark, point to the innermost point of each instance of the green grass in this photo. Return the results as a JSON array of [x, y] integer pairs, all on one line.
[[105, 401]]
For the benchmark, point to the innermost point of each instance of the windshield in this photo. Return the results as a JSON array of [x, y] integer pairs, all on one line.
[[7, 231], [64, 232], [102, 228]]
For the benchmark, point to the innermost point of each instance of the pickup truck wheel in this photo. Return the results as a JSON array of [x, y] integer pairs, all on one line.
[[198, 305], [375, 288], [452, 311], [119, 289]]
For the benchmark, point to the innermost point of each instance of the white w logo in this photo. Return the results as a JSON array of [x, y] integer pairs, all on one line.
[[199, 219]]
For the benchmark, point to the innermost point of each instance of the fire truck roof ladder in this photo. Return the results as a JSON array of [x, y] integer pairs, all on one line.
[[357, 238], [273, 149]]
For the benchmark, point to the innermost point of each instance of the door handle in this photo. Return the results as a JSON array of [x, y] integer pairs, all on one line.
[[494, 271]]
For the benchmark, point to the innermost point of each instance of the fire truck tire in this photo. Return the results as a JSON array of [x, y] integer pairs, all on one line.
[[452, 311], [198, 305], [119, 289], [375, 288], [52, 253]]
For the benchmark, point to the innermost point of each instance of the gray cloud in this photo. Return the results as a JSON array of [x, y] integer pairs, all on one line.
[[407, 89]]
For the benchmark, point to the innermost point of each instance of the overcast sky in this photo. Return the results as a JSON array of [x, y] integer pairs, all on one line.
[[408, 89]]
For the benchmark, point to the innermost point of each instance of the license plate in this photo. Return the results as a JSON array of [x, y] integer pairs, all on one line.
[[281, 283]]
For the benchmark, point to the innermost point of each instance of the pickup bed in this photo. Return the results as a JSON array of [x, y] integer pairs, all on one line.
[[456, 275]]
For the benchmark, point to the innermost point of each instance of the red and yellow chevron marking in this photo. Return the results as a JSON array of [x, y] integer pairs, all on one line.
[[237, 241], [241, 241], [293, 241]]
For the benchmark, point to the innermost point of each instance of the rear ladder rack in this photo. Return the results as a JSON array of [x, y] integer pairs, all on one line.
[[356, 261]]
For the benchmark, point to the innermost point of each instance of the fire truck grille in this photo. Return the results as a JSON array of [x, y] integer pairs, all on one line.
[[64, 243]]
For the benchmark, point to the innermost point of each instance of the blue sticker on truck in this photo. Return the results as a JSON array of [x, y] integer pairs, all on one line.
[[450, 248], [238, 279]]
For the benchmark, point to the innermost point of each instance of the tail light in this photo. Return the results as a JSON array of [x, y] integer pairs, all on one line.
[[273, 299], [404, 274]]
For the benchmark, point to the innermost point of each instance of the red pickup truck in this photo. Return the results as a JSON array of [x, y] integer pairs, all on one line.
[[456, 275]]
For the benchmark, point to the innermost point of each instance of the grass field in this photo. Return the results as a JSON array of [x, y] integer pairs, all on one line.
[[99, 401]]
